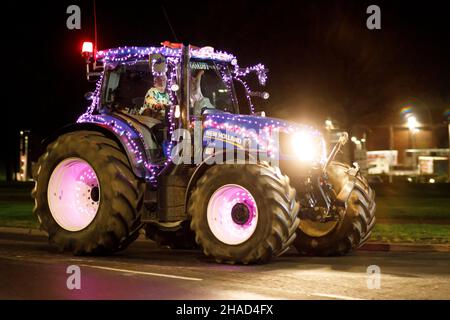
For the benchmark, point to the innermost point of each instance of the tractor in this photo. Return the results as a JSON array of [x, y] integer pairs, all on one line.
[[203, 171]]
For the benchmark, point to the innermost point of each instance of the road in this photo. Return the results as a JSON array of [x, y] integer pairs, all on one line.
[[32, 269]]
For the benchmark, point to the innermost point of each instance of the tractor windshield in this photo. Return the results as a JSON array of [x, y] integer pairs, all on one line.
[[211, 87], [127, 88]]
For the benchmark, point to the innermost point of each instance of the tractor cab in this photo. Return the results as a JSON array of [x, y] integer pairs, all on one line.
[[196, 81], [130, 72]]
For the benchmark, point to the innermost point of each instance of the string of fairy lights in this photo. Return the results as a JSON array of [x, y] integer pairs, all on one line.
[[137, 53], [133, 138], [94, 102]]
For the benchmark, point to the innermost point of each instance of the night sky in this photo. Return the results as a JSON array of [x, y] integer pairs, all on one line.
[[323, 61]]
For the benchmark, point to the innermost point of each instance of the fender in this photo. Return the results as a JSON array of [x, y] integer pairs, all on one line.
[[347, 188], [130, 143]]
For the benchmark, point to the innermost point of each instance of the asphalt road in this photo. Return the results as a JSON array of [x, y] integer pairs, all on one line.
[[32, 269]]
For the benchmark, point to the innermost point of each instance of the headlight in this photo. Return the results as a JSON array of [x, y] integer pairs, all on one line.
[[307, 146], [304, 146]]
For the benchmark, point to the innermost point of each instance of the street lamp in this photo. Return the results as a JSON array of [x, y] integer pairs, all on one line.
[[412, 123]]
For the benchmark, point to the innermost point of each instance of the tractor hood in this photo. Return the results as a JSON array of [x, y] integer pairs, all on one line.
[[236, 123], [263, 133]]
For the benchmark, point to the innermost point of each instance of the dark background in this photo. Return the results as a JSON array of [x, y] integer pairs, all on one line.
[[323, 60]]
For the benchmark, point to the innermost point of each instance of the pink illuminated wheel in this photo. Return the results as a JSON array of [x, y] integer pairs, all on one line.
[[243, 213], [73, 194], [232, 214], [86, 196]]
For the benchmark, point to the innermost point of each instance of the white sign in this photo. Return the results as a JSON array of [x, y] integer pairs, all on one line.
[[380, 161]]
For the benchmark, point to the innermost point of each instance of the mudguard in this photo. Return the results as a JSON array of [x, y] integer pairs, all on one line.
[[120, 131]]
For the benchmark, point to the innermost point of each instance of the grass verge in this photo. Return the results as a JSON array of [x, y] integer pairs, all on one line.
[[17, 214], [411, 233], [409, 203]]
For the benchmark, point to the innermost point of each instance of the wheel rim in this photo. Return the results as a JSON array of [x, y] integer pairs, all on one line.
[[73, 194], [232, 214]]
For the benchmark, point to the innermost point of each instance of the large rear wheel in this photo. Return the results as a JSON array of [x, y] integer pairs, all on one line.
[[352, 230], [243, 213], [86, 196]]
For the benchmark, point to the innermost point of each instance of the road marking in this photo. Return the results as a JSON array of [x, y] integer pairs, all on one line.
[[143, 273], [334, 296]]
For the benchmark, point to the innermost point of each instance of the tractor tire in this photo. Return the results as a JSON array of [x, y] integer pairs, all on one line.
[[87, 167], [243, 213], [351, 231]]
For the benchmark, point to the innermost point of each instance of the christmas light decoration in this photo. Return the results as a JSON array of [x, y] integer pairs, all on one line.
[[94, 102], [247, 94], [139, 53], [131, 137], [259, 69], [261, 132]]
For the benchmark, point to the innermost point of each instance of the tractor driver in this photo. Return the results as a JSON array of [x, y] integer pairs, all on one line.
[[157, 99], [198, 101]]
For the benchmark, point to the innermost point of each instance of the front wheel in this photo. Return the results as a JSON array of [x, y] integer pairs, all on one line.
[[355, 226], [243, 213]]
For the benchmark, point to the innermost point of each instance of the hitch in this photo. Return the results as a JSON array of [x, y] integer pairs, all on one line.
[[320, 203], [341, 142], [324, 205]]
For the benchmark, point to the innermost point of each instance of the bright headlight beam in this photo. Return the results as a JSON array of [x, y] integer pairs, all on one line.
[[304, 147]]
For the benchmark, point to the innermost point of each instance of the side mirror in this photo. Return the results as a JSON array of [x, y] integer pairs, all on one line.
[[89, 96]]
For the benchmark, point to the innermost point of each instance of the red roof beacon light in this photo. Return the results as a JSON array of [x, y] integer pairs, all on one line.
[[87, 51], [88, 47]]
